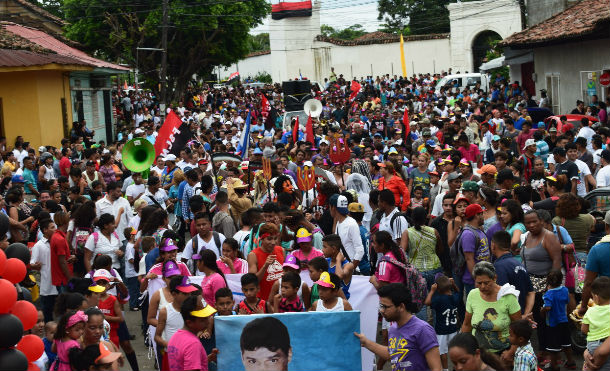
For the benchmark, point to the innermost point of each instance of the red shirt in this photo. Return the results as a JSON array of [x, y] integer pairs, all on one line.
[[64, 166], [398, 187], [274, 271], [107, 307], [471, 153], [59, 247]]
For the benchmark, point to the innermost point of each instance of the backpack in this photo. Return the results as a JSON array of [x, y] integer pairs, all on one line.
[[81, 235], [216, 238], [395, 216], [456, 252], [414, 281]]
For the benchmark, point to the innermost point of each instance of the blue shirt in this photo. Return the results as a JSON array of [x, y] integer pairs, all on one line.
[[365, 264], [48, 346], [598, 258], [30, 178], [151, 258], [510, 270], [446, 307], [519, 123], [557, 299], [344, 286]]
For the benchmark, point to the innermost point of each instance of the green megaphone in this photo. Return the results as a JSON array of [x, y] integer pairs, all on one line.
[[138, 156]]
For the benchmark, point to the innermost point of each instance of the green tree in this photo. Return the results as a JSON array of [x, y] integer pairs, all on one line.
[[201, 34], [422, 16], [348, 33], [259, 42], [52, 6]]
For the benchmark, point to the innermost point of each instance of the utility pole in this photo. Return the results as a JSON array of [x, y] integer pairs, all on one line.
[[164, 58]]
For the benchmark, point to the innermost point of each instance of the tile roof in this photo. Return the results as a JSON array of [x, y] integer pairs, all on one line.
[[584, 19], [26, 58], [379, 37], [50, 44], [41, 11], [260, 52]]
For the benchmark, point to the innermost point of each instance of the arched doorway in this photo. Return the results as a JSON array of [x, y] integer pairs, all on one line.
[[481, 44]]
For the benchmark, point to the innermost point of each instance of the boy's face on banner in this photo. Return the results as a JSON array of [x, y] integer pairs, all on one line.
[[263, 359]]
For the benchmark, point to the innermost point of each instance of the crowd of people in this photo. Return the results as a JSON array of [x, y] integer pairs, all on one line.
[[468, 217]]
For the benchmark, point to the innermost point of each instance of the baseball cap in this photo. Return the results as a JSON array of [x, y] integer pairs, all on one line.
[[185, 286], [171, 157], [102, 274], [425, 132], [472, 210], [17, 179], [495, 138], [171, 269], [541, 125], [453, 176], [324, 141], [470, 185], [430, 142], [207, 311], [291, 261], [106, 356], [139, 131], [257, 151], [303, 235], [460, 197], [325, 281], [529, 142], [433, 173], [553, 129], [90, 163], [355, 207], [168, 246], [489, 169], [392, 151], [463, 161], [381, 164], [340, 202], [96, 288]]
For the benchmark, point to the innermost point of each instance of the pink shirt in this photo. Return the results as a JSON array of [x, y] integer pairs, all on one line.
[[209, 285], [185, 352], [389, 272], [63, 349], [240, 265], [314, 253], [471, 153], [158, 269]]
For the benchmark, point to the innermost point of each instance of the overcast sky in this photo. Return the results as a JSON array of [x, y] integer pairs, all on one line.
[[340, 14]]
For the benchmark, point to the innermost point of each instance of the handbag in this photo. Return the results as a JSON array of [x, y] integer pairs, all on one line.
[[578, 271], [567, 259]]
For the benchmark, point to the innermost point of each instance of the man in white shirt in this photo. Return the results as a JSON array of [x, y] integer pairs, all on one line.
[[390, 222], [155, 195], [584, 173], [347, 228], [205, 239], [112, 204], [603, 175], [586, 132], [136, 190], [41, 261]]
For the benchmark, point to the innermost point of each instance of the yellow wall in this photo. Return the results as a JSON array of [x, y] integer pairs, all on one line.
[[31, 105]]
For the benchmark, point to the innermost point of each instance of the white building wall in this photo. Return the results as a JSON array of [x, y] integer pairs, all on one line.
[[468, 19], [572, 69], [248, 67]]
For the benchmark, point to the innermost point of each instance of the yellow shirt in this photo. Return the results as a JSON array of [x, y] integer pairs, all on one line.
[[597, 319]]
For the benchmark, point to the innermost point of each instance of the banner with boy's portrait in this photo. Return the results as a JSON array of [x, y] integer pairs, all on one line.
[[306, 341]]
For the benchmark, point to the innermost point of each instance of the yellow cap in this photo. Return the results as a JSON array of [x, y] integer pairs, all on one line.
[[325, 280], [205, 312]]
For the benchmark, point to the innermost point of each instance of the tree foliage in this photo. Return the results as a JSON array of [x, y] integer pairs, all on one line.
[[421, 16], [349, 33], [52, 6], [259, 42], [201, 34]]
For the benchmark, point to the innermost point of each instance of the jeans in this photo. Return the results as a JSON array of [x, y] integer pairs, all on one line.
[[465, 289], [48, 304], [133, 285], [429, 276]]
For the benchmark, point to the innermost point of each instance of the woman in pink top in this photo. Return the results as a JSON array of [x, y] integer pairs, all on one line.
[[388, 271], [214, 278], [230, 262], [168, 251], [305, 250]]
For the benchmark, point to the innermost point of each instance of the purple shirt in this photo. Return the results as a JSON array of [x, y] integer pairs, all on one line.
[[408, 345], [482, 253]]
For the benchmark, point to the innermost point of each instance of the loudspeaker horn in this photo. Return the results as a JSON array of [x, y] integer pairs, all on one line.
[[138, 155], [313, 107]]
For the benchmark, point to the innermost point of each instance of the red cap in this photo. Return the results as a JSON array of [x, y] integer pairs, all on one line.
[[472, 210]]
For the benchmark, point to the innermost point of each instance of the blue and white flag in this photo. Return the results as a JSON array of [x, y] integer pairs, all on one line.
[[244, 141]]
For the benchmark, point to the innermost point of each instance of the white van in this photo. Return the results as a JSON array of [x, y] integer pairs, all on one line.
[[464, 80]]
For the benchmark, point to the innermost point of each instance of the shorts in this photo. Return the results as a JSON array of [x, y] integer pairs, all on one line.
[[558, 337], [443, 342], [123, 332], [593, 345]]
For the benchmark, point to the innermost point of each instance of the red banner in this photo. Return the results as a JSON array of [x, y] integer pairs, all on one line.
[[355, 88], [309, 137], [405, 120], [167, 133], [295, 130]]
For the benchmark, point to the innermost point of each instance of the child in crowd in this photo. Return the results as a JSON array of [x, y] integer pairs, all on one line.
[[132, 263], [555, 307], [291, 264], [224, 302], [169, 319], [316, 267], [288, 299], [305, 251], [520, 333], [231, 260], [596, 323], [50, 328], [418, 198], [444, 299], [356, 211], [330, 301], [70, 328], [251, 304], [337, 263], [109, 304]]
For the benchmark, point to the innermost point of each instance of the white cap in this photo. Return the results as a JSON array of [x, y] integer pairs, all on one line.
[[42, 149], [324, 141], [170, 157], [529, 142], [139, 131]]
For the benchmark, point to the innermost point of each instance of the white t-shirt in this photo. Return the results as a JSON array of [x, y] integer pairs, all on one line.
[[160, 196], [240, 236], [104, 205], [142, 265], [134, 190], [104, 246], [130, 252], [187, 253], [583, 171], [603, 177], [400, 224], [349, 231], [587, 133], [41, 253]]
